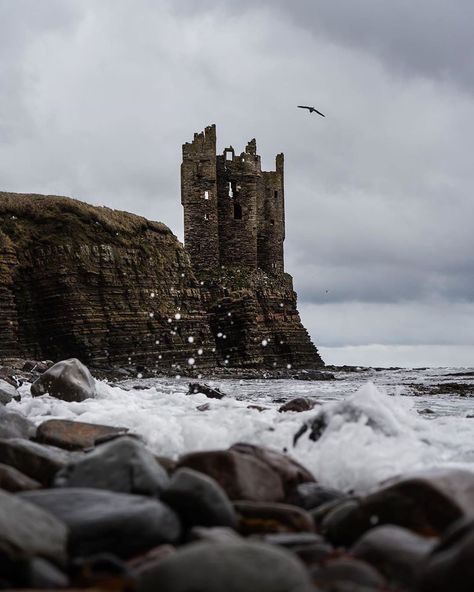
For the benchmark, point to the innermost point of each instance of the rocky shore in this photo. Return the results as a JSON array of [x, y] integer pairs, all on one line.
[[90, 507]]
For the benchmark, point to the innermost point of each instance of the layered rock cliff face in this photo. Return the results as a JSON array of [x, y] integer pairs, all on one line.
[[113, 288]]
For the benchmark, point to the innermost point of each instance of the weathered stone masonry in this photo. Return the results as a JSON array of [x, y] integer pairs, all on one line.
[[233, 211], [234, 229]]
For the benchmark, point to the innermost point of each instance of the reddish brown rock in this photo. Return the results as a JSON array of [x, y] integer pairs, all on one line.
[[75, 435], [299, 404], [242, 476], [289, 470], [257, 517], [427, 502]]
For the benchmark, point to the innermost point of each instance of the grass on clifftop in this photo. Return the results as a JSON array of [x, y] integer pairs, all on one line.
[[50, 219]]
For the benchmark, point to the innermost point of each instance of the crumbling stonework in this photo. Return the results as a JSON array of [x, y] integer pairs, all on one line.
[[234, 229], [233, 211]]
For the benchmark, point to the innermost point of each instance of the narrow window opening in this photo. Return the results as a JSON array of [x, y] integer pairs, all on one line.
[[272, 222], [275, 194], [206, 217], [237, 212], [229, 155], [233, 188], [206, 195]]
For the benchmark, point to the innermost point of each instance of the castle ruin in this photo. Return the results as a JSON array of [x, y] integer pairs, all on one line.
[[234, 229], [234, 212]]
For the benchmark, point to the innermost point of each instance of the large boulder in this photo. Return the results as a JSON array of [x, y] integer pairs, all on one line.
[[236, 567], [427, 502], [27, 530], [68, 380], [37, 461], [199, 499], [75, 435], [15, 425], [248, 472], [123, 465], [104, 521]]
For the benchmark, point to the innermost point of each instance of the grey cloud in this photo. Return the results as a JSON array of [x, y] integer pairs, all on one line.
[[97, 98], [431, 38]]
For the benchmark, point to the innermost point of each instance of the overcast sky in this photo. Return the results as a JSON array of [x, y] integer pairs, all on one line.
[[96, 98]]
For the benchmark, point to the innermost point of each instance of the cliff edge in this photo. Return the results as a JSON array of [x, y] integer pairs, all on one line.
[[113, 288]]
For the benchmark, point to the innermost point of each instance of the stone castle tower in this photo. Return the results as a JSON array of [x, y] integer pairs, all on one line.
[[233, 211]]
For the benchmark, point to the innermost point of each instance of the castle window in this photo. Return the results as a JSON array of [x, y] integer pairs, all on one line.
[[275, 194], [237, 212], [229, 155], [233, 188], [206, 217], [206, 195], [272, 222]]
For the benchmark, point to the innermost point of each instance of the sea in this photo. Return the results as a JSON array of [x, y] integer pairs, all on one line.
[[377, 424]]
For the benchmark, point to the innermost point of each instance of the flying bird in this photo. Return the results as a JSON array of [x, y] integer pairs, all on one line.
[[311, 110]]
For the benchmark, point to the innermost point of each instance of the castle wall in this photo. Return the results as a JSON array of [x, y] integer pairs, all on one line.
[[271, 220], [199, 198], [238, 180]]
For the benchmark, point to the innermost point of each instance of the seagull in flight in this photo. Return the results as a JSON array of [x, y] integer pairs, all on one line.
[[311, 110]]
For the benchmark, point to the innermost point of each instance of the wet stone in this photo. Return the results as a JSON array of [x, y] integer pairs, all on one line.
[[68, 380], [37, 461], [205, 389], [347, 575], [123, 465], [75, 435], [215, 534], [312, 495], [15, 425], [241, 476], [260, 517], [149, 558], [240, 567], [291, 472], [7, 392], [103, 571], [27, 530], [39, 573], [293, 539], [298, 404], [199, 499], [13, 480], [427, 503], [450, 566], [393, 551], [104, 521]]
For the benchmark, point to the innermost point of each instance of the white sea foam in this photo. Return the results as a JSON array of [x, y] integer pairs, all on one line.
[[370, 435]]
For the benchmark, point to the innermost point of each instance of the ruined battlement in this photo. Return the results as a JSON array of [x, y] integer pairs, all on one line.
[[233, 211]]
